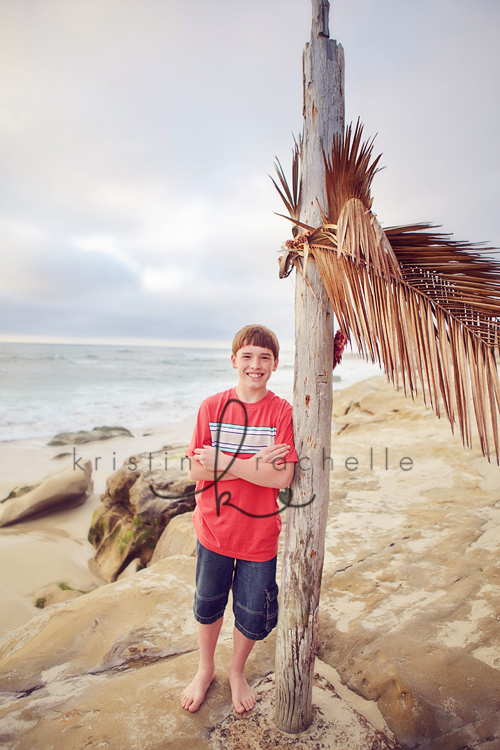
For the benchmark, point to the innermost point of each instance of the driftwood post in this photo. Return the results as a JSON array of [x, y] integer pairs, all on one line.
[[323, 74]]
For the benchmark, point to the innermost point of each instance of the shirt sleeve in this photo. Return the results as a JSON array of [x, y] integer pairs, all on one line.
[[284, 433], [201, 434]]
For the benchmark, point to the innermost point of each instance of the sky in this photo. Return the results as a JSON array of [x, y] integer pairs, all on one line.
[[137, 136]]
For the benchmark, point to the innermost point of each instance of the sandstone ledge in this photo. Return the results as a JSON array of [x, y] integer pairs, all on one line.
[[107, 670], [410, 595]]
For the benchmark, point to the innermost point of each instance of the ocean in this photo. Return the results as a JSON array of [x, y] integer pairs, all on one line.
[[50, 388]]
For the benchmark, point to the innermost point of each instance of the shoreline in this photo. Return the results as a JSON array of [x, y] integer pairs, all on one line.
[[28, 460]]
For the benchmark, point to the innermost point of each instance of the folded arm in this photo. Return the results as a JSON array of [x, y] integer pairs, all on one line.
[[198, 473], [268, 468]]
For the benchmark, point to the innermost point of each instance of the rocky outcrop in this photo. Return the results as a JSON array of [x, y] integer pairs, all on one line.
[[410, 595], [107, 670], [89, 436], [179, 538], [136, 507], [59, 490]]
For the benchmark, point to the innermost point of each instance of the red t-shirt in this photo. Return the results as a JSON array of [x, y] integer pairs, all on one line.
[[248, 524]]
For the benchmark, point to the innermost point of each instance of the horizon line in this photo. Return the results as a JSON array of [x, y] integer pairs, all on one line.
[[7, 338]]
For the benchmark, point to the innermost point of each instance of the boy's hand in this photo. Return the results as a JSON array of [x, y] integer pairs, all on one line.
[[272, 452], [206, 457]]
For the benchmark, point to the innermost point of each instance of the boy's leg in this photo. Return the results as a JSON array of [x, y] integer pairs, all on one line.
[[214, 575], [242, 694], [194, 695], [255, 608]]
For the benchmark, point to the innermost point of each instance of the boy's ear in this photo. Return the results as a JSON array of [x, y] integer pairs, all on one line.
[[233, 360], [275, 364]]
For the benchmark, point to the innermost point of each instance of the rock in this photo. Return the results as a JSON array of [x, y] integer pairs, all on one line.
[[139, 619], [131, 569], [107, 670], [65, 488], [83, 436], [410, 595], [54, 594], [179, 538], [132, 518]]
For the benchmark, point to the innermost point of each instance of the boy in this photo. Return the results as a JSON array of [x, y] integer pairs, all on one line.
[[243, 436]]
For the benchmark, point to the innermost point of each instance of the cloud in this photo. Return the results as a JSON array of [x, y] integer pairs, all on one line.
[[136, 139]]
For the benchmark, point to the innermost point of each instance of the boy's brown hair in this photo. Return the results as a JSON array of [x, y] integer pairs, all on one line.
[[256, 335]]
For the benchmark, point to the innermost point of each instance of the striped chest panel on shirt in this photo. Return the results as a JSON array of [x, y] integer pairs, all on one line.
[[236, 438]]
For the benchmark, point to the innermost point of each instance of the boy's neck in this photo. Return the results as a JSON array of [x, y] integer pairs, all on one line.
[[250, 395]]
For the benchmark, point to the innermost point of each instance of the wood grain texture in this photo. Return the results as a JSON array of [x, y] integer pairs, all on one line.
[[323, 70]]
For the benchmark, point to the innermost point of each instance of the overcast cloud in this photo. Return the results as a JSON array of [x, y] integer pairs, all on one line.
[[136, 137]]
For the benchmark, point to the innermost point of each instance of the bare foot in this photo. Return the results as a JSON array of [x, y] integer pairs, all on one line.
[[242, 694], [194, 695]]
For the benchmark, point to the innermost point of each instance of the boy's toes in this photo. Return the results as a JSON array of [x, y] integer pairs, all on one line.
[[194, 695], [249, 704], [244, 698]]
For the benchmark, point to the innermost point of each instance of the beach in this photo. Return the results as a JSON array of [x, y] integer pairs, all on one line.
[[409, 644], [47, 389], [152, 391]]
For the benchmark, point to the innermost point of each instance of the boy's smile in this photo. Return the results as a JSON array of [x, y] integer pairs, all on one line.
[[255, 364]]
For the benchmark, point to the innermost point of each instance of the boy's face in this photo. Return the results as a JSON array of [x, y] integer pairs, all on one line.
[[255, 364]]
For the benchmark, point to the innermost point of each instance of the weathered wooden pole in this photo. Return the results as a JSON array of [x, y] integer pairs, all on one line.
[[323, 73]]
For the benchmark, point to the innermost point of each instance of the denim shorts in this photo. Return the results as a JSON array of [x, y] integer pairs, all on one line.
[[255, 592]]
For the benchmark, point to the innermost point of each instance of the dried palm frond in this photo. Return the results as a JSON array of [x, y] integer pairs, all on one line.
[[348, 171], [425, 307], [291, 198]]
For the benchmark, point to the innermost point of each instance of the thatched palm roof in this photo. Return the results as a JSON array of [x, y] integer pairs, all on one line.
[[424, 306]]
